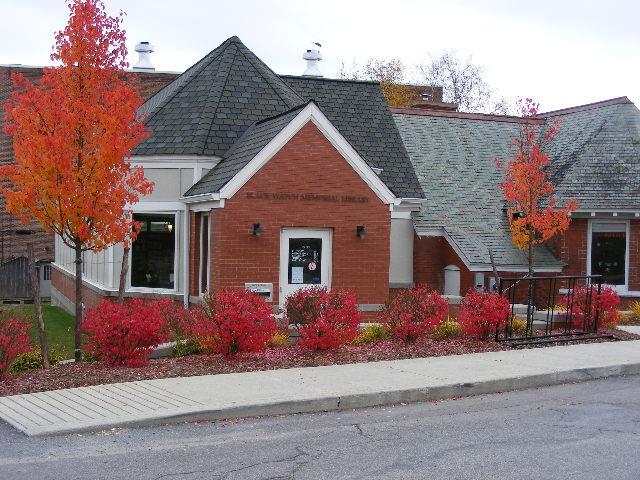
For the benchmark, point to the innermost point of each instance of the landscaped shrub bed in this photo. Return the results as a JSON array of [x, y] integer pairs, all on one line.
[[85, 374], [94, 373]]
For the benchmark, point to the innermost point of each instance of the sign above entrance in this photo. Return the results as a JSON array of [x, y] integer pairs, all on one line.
[[307, 197]]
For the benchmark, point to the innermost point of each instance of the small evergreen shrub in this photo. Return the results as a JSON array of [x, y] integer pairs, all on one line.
[[234, 321], [447, 329], [482, 312], [518, 325], [33, 359], [184, 348], [124, 334], [635, 308], [14, 340], [280, 338], [325, 319], [414, 313], [370, 334]]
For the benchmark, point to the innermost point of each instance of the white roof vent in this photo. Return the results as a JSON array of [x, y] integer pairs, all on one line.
[[312, 56], [144, 49]]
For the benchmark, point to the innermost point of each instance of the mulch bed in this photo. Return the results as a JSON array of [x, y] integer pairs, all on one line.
[[95, 373]]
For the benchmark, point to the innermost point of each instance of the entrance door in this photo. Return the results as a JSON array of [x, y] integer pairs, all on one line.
[[305, 259]]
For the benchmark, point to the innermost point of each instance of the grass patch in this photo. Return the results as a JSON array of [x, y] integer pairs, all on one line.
[[59, 326]]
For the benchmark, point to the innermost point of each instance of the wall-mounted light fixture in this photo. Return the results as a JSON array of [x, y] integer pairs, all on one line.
[[170, 227], [257, 229], [361, 231]]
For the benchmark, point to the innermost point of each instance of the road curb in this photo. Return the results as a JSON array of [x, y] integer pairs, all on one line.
[[350, 401]]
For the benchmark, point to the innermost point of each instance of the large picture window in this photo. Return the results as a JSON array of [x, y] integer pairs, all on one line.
[[609, 251], [153, 252]]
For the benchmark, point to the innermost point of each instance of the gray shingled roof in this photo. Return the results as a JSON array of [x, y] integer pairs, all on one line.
[[454, 161], [359, 111], [210, 107], [207, 108], [240, 154], [596, 155]]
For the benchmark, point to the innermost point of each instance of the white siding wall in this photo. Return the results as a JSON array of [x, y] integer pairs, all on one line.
[[401, 246]]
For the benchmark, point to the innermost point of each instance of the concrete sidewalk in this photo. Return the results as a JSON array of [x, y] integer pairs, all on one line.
[[299, 390]]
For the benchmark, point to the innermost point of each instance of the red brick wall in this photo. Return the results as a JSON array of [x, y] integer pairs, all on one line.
[[634, 256], [430, 256], [571, 247], [307, 164], [66, 285]]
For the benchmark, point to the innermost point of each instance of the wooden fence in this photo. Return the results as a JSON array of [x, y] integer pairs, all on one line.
[[15, 282]]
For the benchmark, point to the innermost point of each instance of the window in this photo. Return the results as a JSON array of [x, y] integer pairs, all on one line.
[[304, 261], [204, 253], [153, 252], [608, 256], [46, 273]]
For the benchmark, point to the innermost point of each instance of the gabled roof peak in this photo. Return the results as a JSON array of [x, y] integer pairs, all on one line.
[[206, 109]]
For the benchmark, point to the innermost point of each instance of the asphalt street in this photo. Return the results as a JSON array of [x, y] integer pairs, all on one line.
[[584, 431]]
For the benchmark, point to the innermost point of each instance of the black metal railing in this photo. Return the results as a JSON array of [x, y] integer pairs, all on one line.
[[550, 309]]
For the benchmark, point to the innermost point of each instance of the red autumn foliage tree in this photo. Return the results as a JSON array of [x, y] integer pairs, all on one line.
[[533, 212], [71, 135]]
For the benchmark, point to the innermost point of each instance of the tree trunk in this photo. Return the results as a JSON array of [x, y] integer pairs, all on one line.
[[123, 274], [78, 332], [495, 269], [35, 290]]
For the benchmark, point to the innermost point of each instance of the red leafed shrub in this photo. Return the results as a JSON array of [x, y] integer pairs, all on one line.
[[234, 321], [14, 340], [414, 313], [124, 334], [583, 315], [482, 312], [325, 319]]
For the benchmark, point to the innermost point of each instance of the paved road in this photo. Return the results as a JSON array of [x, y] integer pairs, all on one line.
[[583, 431]]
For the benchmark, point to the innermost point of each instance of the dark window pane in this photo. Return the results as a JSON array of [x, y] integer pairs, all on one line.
[[152, 254], [304, 261], [608, 251], [204, 255]]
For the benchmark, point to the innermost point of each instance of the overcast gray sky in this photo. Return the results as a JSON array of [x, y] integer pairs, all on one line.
[[562, 53]]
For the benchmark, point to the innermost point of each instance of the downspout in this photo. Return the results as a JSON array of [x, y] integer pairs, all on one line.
[[185, 256]]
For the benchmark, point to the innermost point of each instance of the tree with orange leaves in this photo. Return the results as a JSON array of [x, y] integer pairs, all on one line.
[[71, 136], [534, 214]]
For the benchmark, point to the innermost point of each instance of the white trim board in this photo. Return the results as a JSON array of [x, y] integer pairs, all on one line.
[[310, 113], [621, 289]]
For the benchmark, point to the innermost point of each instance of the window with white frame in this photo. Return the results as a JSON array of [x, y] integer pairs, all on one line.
[[608, 255], [153, 252]]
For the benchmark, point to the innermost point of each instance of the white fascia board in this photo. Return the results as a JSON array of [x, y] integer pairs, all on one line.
[[202, 197], [174, 158], [613, 212], [310, 113], [156, 206], [407, 204], [401, 214], [430, 232], [206, 206], [513, 269]]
